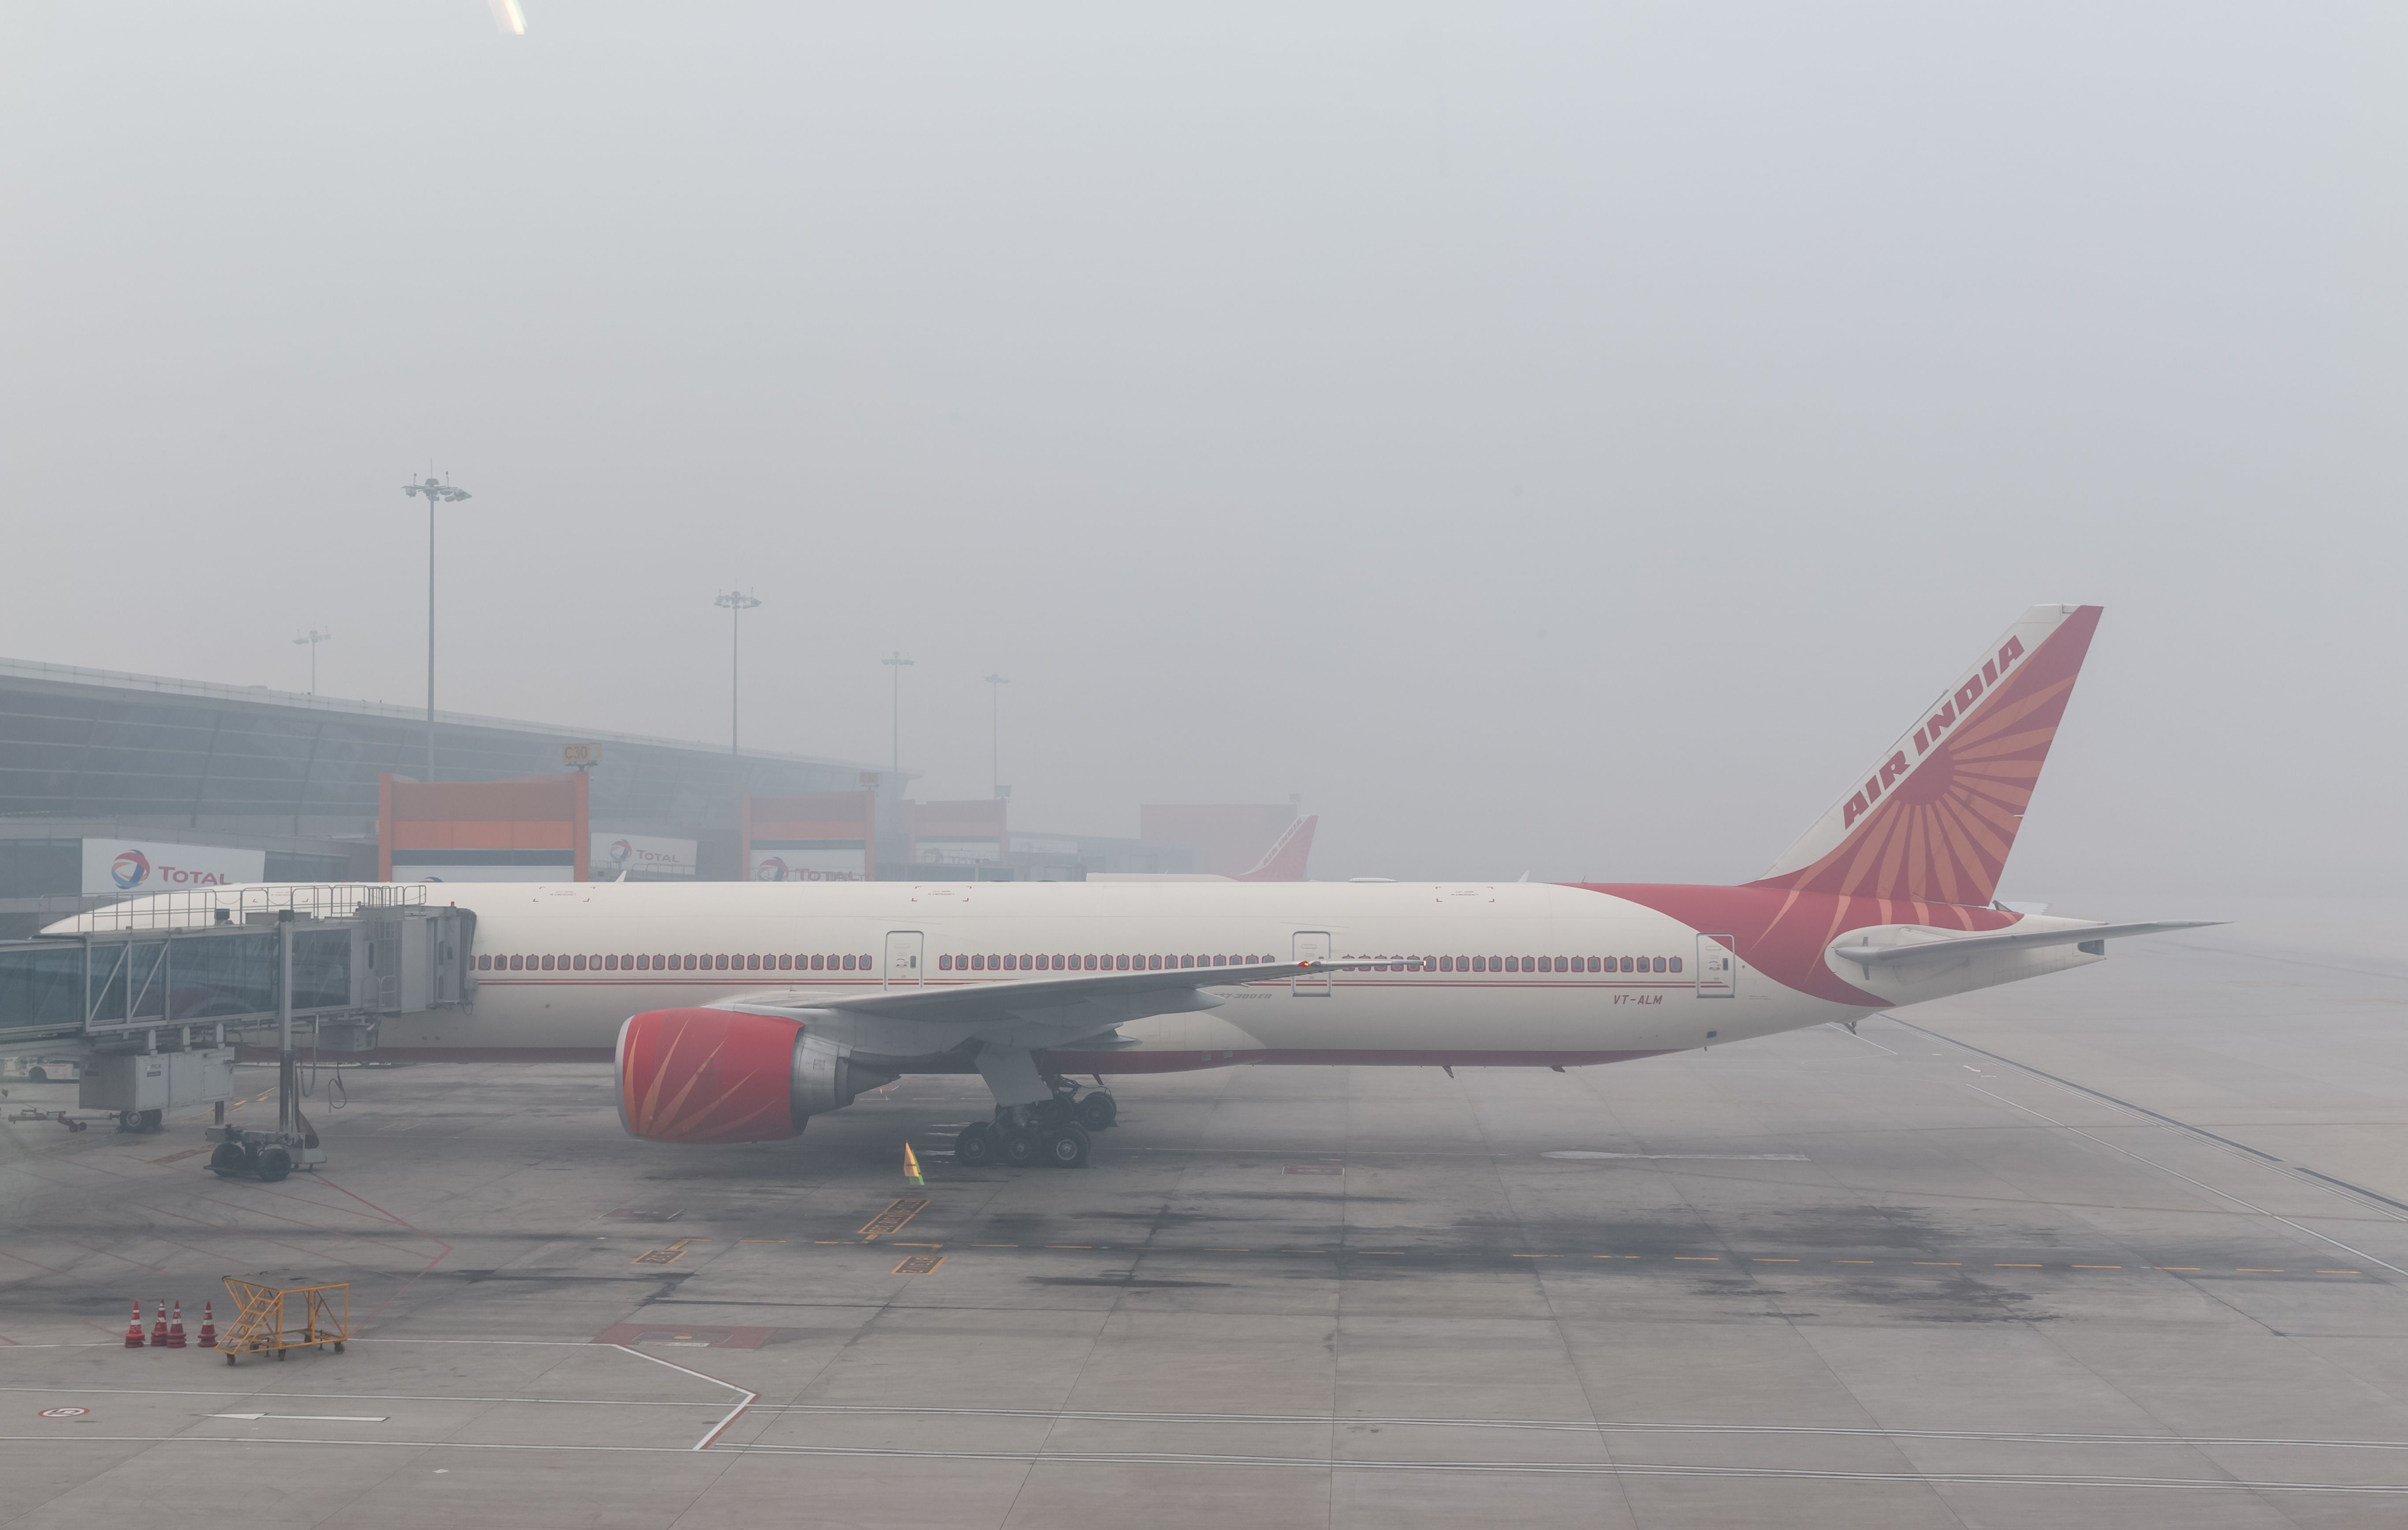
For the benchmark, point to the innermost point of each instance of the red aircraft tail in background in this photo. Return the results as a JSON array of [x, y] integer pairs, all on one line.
[[1284, 861]]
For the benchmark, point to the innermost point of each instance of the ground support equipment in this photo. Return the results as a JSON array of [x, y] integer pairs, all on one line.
[[276, 1320]]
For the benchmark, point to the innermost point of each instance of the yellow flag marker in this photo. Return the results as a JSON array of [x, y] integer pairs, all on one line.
[[911, 1167]]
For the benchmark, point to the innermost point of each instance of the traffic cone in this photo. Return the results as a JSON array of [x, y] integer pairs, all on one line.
[[159, 1329], [176, 1326], [208, 1339], [134, 1329], [911, 1168]]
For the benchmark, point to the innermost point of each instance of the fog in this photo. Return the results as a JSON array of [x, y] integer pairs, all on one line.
[[1564, 439]]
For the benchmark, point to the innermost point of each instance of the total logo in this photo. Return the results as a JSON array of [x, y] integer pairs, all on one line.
[[769, 869], [622, 852], [132, 869]]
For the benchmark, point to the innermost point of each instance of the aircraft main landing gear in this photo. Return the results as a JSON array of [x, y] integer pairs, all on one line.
[[1015, 1145]]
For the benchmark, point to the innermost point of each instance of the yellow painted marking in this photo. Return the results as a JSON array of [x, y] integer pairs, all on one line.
[[2190, 1269], [2339, 1272], [1702, 1258], [760, 1241], [188, 1152], [894, 1217], [835, 1240], [2097, 1267], [2017, 1267], [902, 1245], [1768, 1259], [919, 1263]]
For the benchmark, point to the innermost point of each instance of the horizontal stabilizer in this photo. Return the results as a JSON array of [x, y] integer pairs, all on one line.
[[1952, 947]]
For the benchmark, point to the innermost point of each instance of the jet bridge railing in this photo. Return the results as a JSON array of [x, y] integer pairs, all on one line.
[[152, 980]]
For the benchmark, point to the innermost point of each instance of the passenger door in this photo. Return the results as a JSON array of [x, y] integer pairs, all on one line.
[[1717, 968], [1310, 946], [903, 959]]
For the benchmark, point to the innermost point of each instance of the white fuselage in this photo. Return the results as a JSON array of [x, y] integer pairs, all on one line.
[[616, 950]]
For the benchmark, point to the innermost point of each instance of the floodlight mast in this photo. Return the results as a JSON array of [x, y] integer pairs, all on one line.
[[313, 638], [738, 603], [896, 662], [994, 735], [435, 492]]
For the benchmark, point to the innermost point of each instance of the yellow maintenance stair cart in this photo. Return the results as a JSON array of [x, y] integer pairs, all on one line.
[[279, 1318]]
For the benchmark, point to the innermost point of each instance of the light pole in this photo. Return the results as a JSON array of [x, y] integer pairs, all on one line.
[[898, 664], [313, 639], [738, 603], [995, 684], [435, 493]]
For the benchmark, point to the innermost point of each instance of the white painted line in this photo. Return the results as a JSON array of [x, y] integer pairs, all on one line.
[[1547, 1469], [2222, 1195], [1692, 1157], [733, 1414], [308, 1418]]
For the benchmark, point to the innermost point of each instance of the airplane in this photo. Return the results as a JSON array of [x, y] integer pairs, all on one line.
[[734, 1012]]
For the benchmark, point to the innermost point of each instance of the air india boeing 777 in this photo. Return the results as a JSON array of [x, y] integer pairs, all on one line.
[[735, 1012]]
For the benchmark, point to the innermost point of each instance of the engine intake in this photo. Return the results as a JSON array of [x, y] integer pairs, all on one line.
[[704, 1075]]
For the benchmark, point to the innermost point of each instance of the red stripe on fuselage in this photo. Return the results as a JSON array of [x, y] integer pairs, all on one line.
[[1783, 933]]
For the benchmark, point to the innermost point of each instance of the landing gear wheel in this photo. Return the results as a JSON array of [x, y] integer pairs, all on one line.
[[228, 1160], [977, 1146], [1020, 1146], [274, 1164], [1098, 1111], [1066, 1148]]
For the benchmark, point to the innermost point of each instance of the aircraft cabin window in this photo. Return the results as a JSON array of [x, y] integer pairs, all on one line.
[[1676, 963]]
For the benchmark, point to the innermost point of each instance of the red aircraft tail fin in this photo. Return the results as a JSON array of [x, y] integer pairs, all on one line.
[[1284, 861], [1934, 818]]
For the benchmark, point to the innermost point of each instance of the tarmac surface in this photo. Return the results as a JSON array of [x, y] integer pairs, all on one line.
[[2128, 1245]]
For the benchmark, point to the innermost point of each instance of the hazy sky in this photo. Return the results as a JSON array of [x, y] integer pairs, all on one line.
[[1564, 438]]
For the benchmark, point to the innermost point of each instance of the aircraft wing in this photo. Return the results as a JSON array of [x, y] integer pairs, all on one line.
[[1954, 946], [1068, 1006]]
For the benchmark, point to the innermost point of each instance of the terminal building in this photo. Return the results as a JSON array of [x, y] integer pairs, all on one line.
[[115, 785]]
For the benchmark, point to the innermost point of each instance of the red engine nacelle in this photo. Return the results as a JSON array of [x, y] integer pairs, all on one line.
[[707, 1076], [714, 1076]]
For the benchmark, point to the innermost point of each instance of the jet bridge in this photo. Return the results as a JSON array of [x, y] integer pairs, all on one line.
[[156, 993]]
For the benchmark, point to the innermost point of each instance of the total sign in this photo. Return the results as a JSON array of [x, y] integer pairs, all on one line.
[[142, 865], [646, 855]]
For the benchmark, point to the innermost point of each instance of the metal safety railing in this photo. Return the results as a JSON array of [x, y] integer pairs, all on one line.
[[201, 906]]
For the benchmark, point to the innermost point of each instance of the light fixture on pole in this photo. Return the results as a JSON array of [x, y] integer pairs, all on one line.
[[435, 492], [994, 735], [313, 639], [738, 603], [898, 664]]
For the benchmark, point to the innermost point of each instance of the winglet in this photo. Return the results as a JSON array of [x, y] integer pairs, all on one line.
[[1284, 862]]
